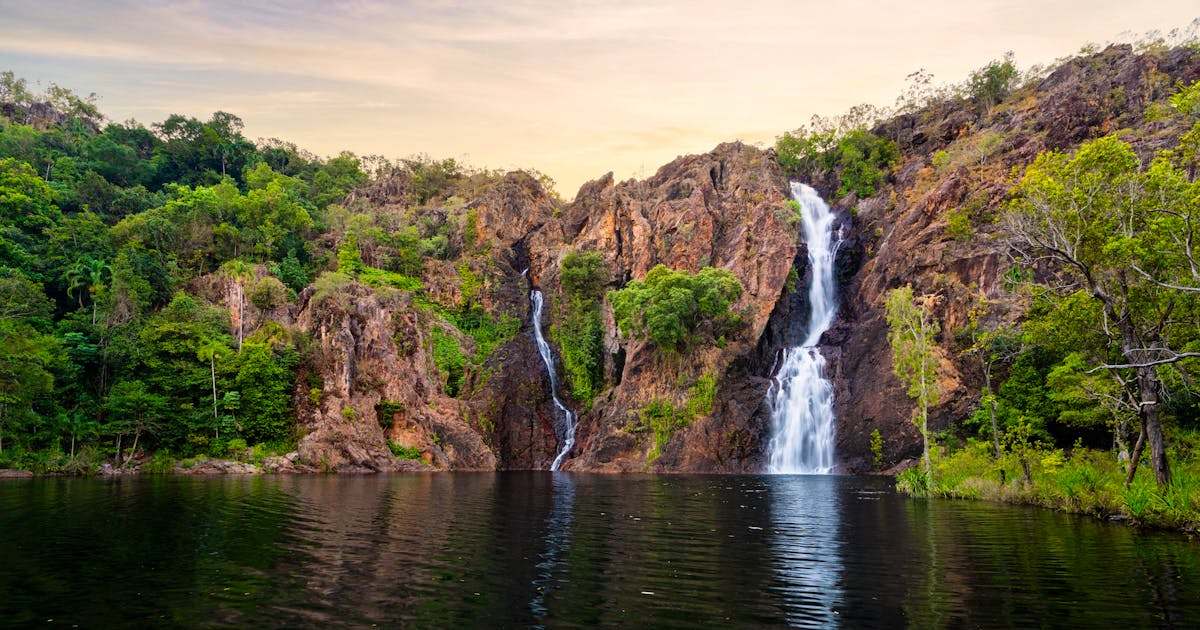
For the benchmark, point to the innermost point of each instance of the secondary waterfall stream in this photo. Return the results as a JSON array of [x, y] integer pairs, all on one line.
[[565, 418], [802, 422]]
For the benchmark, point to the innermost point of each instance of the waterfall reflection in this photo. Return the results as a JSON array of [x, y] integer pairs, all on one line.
[[805, 513], [558, 543]]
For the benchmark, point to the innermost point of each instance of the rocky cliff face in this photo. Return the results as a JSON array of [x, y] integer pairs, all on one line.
[[960, 159], [724, 209], [373, 374]]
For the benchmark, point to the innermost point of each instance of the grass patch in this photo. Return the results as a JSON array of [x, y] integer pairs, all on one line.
[[1085, 481]]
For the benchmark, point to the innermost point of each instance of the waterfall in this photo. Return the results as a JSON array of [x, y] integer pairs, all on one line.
[[563, 416], [802, 422]]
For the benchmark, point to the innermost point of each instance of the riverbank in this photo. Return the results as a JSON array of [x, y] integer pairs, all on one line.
[[253, 461], [1080, 481]]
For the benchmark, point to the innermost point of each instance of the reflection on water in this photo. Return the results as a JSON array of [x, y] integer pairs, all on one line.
[[558, 542], [805, 514], [564, 549]]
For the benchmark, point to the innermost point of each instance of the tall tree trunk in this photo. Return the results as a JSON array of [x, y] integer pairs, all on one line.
[[925, 461], [1149, 410], [213, 363], [987, 387], [133, 449]]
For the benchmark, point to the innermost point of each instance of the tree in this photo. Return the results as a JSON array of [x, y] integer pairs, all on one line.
[[26, 355], [136, 410], [211, 350], [992, 346], [911, 332], [676, 309], [87, 273], [991, 83], [1094, 224]]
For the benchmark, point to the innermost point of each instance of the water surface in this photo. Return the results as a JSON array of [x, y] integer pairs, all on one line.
[[568, 550]]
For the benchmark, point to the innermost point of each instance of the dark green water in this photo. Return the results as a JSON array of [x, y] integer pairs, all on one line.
[[567, 550]]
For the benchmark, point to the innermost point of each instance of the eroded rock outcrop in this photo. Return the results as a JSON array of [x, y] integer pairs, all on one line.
[[725, 209]]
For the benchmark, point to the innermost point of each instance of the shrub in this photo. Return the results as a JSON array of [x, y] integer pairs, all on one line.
[[958, 225], [449, 359], [701, 396], [876, 448], [404, 452], [268, 293], [678, 310]]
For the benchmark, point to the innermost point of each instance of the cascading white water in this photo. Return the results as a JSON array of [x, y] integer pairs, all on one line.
[[802, 422], [564, 416]]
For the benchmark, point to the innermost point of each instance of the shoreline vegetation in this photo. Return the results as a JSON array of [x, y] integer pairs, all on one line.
[[1075, 481]]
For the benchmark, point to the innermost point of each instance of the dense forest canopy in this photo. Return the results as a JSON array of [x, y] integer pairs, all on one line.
[[117, 241]]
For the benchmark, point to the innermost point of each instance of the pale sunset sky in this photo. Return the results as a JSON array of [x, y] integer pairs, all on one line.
[[573, 88]]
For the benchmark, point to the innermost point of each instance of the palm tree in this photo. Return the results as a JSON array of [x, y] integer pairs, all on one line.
[[89, 273], [209, 351]]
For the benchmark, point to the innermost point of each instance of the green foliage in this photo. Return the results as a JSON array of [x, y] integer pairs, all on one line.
[[792, 281], [580, 334], [268, 293], [662, 418], [860, 158], [991, 83], [701, 396], [876, 449], [265, 377], [911, 332], [449, 359], [678, 310], [863, 159], [1109, 234], [914, 482], [958, 225], [790, 214], [404, 452], [1082, 481]]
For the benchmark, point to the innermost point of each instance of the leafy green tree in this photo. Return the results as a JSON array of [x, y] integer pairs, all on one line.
[[1104, 228], [911, 331], [989, 85], [863, 159], [266, 376], [136, 410], [27, 210], [676, 309]]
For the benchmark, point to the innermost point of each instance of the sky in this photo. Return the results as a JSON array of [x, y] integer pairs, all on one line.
[[572, 88]]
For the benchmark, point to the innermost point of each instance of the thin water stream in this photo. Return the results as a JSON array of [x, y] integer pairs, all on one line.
[[564, 427]]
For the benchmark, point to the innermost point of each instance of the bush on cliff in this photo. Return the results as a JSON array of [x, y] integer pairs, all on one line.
[[678, 310]]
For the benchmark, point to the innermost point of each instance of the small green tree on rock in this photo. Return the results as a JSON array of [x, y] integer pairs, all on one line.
[[678, 310], [911, 331]]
